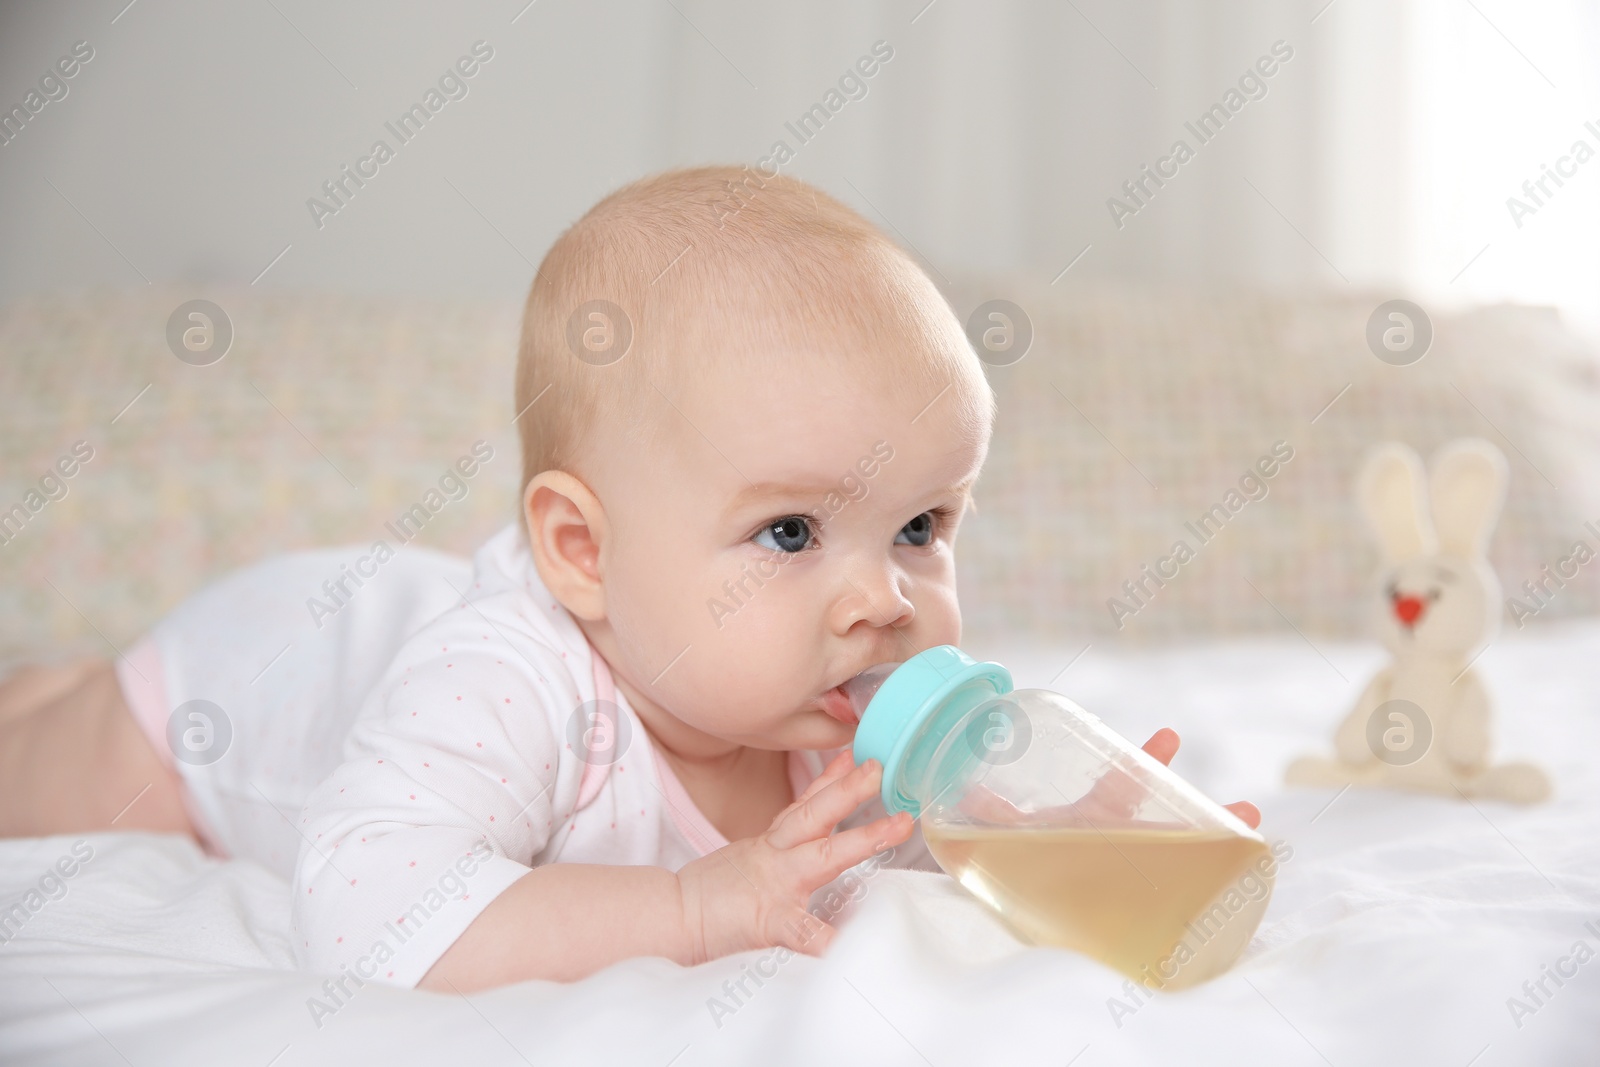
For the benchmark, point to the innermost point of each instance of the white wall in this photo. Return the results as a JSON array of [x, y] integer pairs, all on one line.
[[991, 141]]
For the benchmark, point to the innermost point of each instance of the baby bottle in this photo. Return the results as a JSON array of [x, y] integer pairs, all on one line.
[[1074, 836]]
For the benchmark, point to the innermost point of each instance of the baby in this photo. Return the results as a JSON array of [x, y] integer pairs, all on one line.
[[748, 440]]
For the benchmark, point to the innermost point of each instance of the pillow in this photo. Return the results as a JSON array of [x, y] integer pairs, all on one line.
[[328, 421], [1132, 416], [1143, 419]]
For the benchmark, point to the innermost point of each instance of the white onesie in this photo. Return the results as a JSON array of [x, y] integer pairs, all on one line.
[[488, 740]]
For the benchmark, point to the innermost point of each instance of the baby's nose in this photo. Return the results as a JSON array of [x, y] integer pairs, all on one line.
[[876, 600]]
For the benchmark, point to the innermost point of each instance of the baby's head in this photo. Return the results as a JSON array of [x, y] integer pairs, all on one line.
[[750, 427]]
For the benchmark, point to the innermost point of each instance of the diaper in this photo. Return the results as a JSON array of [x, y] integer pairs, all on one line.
[[248, 688]]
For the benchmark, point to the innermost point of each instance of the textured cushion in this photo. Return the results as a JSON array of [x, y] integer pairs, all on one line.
[[332, 415], [1135, 412], [213, 467]]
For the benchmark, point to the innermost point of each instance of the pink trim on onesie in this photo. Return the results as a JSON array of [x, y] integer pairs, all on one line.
[[143, 677], [144, 686], [594, 774], [690, 821], [694, 826]]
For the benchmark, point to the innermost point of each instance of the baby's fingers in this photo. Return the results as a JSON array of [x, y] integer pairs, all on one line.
[[828, 857], [836, 769], [1163, 744], [815, 815], [1248, 813]]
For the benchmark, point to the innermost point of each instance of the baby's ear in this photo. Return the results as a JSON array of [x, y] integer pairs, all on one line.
[[566, 525], [1390, 490], [1469, 486]]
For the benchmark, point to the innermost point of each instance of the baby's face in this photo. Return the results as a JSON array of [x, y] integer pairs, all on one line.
[[791, 529]]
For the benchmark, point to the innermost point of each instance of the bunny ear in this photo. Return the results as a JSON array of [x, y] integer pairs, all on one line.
[[1390, 490], [1469, 485]]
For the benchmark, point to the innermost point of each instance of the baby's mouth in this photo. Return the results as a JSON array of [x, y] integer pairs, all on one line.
[[837, 705], [847, 700]]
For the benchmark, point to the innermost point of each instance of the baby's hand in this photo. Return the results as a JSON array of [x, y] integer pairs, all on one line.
[[753, 893], [1163, 745]]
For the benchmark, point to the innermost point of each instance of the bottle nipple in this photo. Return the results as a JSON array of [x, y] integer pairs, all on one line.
[[864, 686]]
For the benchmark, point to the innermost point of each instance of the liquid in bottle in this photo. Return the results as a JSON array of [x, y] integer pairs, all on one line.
[[1126, 896]]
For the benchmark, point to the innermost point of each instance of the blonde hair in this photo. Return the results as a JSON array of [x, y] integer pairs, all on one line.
[[689, 267]]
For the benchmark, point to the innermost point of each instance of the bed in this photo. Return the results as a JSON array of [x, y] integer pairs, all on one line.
[[1404, 929]]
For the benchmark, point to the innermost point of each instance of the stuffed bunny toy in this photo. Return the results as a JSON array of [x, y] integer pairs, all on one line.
[[1424, 722]]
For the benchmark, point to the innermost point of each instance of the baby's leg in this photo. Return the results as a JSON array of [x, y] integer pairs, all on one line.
[[73, 759], [26, 688]]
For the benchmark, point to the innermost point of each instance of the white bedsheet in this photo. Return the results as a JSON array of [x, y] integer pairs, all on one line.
[[1399, 929]]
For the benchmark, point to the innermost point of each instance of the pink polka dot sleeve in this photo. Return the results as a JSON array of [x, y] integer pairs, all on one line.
[[445, 799]]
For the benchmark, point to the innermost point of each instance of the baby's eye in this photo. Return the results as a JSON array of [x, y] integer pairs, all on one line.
[[918, 532], [792, 533]]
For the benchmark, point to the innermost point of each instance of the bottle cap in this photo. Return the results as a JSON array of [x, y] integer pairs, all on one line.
[[904, 703]]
